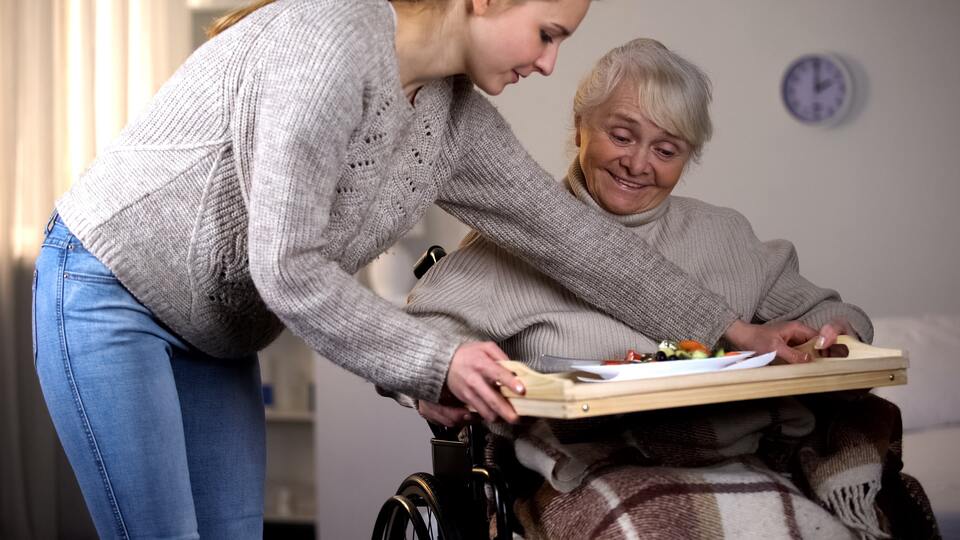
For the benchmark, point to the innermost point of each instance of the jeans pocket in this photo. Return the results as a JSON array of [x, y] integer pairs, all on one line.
[[33, 316], [81, 265]]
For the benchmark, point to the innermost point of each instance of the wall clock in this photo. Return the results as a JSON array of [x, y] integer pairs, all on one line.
[[817, 89]]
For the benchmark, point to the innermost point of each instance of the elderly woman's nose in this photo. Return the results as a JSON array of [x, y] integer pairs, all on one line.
[[637, 162]]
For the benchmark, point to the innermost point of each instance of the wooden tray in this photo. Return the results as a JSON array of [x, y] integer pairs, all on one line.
[[561, 396]]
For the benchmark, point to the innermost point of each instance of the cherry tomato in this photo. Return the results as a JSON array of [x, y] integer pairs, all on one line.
[[690, 345]]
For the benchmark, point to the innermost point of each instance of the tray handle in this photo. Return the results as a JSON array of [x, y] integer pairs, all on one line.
[[856, 349], [537, 384]]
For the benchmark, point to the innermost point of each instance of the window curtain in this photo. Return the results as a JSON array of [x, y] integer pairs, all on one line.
[[72, 72]]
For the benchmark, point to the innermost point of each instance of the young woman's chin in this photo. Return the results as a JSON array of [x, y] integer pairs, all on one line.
[[491, 89], [490, 85]]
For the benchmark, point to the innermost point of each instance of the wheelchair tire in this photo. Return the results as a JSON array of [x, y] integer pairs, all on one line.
[[395, 521], [396, 516]]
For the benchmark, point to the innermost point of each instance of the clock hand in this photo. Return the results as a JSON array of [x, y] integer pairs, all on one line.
[[816, 75]]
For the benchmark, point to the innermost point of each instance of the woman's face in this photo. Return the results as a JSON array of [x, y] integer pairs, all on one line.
[[509, 40], [629, 163]]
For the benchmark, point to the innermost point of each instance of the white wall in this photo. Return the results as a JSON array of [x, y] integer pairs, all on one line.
[[870, 204]]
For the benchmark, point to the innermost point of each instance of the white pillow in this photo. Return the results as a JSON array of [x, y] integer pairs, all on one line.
[[931, 396]]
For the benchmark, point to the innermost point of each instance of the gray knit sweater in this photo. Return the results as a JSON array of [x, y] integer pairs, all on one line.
[[483, 292], [283, 156]]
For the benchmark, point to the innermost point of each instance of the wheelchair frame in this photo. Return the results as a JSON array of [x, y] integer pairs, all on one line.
[[458, 496], [461, 495]]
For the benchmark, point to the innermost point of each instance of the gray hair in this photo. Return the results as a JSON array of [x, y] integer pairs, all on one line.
[[673, 93]]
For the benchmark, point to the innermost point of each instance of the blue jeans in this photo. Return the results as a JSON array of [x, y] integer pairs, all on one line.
[[166, 441]]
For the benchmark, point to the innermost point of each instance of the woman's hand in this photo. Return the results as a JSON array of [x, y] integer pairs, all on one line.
[[829, 333], [772, 336], [445, 415], [474, 377]]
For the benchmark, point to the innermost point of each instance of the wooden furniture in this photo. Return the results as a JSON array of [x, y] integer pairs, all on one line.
[[562, 396]]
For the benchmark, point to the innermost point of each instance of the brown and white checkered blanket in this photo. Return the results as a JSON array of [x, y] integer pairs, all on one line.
[[825, 468]]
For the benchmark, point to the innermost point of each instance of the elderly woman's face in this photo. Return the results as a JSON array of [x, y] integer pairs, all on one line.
[[630, 164]]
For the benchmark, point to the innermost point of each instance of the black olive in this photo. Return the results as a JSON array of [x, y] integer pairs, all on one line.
[[661, 356]]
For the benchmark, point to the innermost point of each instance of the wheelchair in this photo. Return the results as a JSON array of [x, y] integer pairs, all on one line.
[[464, 493]]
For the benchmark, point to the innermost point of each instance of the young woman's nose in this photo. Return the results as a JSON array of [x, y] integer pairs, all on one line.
[[547, 60]]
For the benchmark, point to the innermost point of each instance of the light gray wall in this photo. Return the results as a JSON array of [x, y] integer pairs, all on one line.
[[871, 205]]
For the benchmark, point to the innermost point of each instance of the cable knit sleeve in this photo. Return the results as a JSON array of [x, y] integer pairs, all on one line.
[[310, 102], [502, 192], [789, 296]]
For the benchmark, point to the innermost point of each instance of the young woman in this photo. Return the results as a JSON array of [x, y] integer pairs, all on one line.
[[284, 155]]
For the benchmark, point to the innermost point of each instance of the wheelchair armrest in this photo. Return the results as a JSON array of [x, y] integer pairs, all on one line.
[[443, 432], [429, 258]]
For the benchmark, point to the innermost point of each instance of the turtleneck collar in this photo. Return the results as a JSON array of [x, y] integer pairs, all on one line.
[[577, 185]]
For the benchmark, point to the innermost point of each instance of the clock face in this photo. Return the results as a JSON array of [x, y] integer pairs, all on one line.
[[816, 89]]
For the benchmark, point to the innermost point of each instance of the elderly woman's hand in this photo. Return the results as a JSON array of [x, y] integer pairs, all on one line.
[[445, 415], [475, 375], [772, 336], [829, 333]]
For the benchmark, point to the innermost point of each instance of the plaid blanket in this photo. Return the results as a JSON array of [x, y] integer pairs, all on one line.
[[827, 467]]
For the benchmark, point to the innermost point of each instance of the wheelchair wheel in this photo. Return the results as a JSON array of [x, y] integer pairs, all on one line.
[[417, 511], [499, 495]]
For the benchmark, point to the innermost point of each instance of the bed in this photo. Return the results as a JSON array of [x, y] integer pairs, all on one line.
[[930, 404]]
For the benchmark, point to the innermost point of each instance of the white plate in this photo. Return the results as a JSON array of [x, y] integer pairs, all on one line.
[[649, 370], [756, 361]]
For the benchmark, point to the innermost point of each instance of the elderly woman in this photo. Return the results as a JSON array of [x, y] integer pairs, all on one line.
[[641, 117]]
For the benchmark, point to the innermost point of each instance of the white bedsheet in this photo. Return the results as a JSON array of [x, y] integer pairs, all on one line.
[[931, 396]]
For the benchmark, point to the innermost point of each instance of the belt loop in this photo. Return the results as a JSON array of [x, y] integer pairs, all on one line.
[[51, 221]]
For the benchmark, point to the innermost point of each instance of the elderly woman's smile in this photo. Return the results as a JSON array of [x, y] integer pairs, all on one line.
[[630, 164]]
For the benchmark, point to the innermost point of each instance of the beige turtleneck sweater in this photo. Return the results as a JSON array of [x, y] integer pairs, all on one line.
[[482, 291]]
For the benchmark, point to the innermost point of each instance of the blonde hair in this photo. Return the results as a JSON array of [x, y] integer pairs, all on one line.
[[673, 93], [235, 16]]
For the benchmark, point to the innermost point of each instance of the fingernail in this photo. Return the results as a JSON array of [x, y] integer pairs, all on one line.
[[821, 341], [520, 389], [466, 417]]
